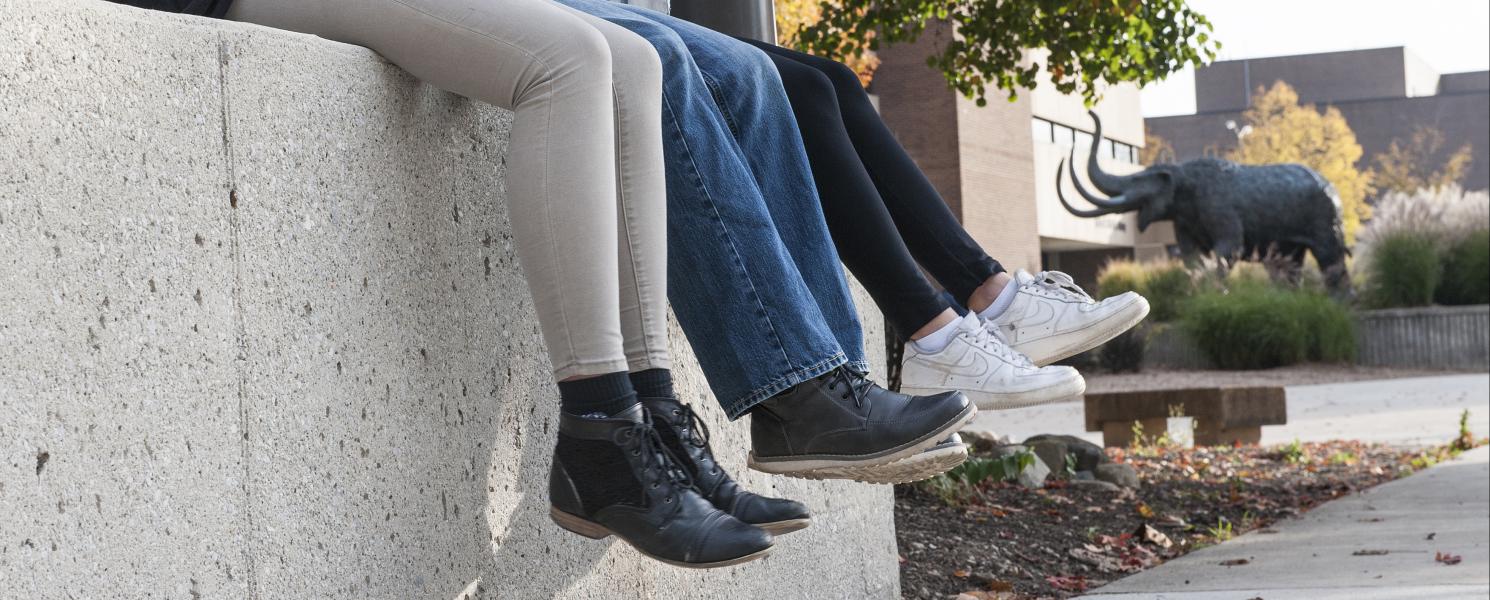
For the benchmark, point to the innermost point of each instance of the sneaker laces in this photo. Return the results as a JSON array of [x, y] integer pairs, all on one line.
[[646, 443], [1061, 284], [857, 384], [988, 337]]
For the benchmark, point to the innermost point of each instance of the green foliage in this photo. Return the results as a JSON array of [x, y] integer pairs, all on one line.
[[1466, 271], [1465, 440], [954, 486], [1083, 43], [1222, 531], [1295, 453], [1403, 270], [1264, 327], [1165, 283]]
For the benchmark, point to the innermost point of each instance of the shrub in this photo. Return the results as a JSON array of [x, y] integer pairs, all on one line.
[[1466, 271], [1263, 327], [1404, 270], [1124, 353], [1165, 283], [1449, 223]]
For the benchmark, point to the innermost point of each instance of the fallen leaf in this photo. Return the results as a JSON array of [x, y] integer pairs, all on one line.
[[1144, 511], [1370, 553], [1446, 558], [1000, 586], [1067, 583], [960, 574], [1153, 536], [1235, 562]]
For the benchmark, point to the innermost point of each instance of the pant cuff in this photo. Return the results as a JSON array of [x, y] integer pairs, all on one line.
[[586, 369], [738, 407]]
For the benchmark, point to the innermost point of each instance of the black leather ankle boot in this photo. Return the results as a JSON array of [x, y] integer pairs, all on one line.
[[686, 436], [843, 426], [614, 476]]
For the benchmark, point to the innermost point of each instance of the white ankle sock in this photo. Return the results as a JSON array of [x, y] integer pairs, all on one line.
[[937, 341], [1001, 303]]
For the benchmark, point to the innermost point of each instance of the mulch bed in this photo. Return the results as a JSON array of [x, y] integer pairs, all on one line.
[[1006, 542]]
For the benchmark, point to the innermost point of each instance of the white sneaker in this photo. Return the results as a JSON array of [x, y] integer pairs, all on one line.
[[1051, 318], [979, 364]]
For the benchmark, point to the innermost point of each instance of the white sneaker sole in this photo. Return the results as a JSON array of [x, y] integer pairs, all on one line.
[[1048, 350], [851, 467], [987, 400]]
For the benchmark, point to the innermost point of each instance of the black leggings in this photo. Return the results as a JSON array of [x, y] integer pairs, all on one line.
[[880, 208]]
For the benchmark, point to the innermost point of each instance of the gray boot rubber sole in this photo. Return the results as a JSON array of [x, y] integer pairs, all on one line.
[[821, 466]]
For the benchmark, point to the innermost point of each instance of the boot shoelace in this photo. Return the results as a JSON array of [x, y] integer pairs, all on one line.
[[656, 458], [857, 385], [696, 433]]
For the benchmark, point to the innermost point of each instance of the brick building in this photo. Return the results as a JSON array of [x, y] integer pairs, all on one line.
[[1384, 93], [995, 165]]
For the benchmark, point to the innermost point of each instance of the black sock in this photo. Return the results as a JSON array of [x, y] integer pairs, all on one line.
[[607, 394], [653, 383]]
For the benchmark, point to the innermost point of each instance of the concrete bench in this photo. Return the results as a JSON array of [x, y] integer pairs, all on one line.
[[1223, 415], [262, 335]]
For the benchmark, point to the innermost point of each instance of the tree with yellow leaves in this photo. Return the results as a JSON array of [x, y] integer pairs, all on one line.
[[792, 16], [1413, 165], [1279, 130]]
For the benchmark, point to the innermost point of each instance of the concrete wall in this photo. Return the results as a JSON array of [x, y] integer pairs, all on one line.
[[1432, 337], [1449, 337], [262, 335], [1318, 78]]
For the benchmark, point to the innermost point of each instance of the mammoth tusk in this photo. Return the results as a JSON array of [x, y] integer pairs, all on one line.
[[1105, 182], [1076, 211], [1114, 202]]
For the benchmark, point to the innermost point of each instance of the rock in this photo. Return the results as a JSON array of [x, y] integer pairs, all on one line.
[[1003, 450], [1083, 476], [1034, 476], [1118, 473], [1093, 484], [1052, 451], [1088, 455], [983, 441]]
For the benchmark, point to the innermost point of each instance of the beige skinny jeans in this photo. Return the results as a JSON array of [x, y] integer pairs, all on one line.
[[585, 190]]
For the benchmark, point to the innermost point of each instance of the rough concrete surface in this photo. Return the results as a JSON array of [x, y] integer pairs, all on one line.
[[1397, 528], [263, 335]]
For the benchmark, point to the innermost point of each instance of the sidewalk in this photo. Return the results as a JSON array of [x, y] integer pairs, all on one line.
[[1411, 411], [1443, 509]]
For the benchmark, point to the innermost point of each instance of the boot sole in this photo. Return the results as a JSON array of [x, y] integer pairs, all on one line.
[[596, 531], [925, 465], [844, 467], [787, 526], [994, 401], [1092, 336]]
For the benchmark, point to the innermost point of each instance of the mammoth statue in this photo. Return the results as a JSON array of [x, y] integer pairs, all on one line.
[[1222, 208]]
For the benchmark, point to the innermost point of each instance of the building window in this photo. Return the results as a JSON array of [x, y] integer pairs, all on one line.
[[1062, 135], [1083, 142], [1042, 131]]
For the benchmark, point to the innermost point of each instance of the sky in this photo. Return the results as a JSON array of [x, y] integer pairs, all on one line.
[[1450, 35]]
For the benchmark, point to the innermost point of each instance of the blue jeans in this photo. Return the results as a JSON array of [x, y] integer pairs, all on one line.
[[753, 276]]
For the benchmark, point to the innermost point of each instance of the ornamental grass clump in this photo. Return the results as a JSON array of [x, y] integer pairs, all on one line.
[[1426, 247], [1165, 283]]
